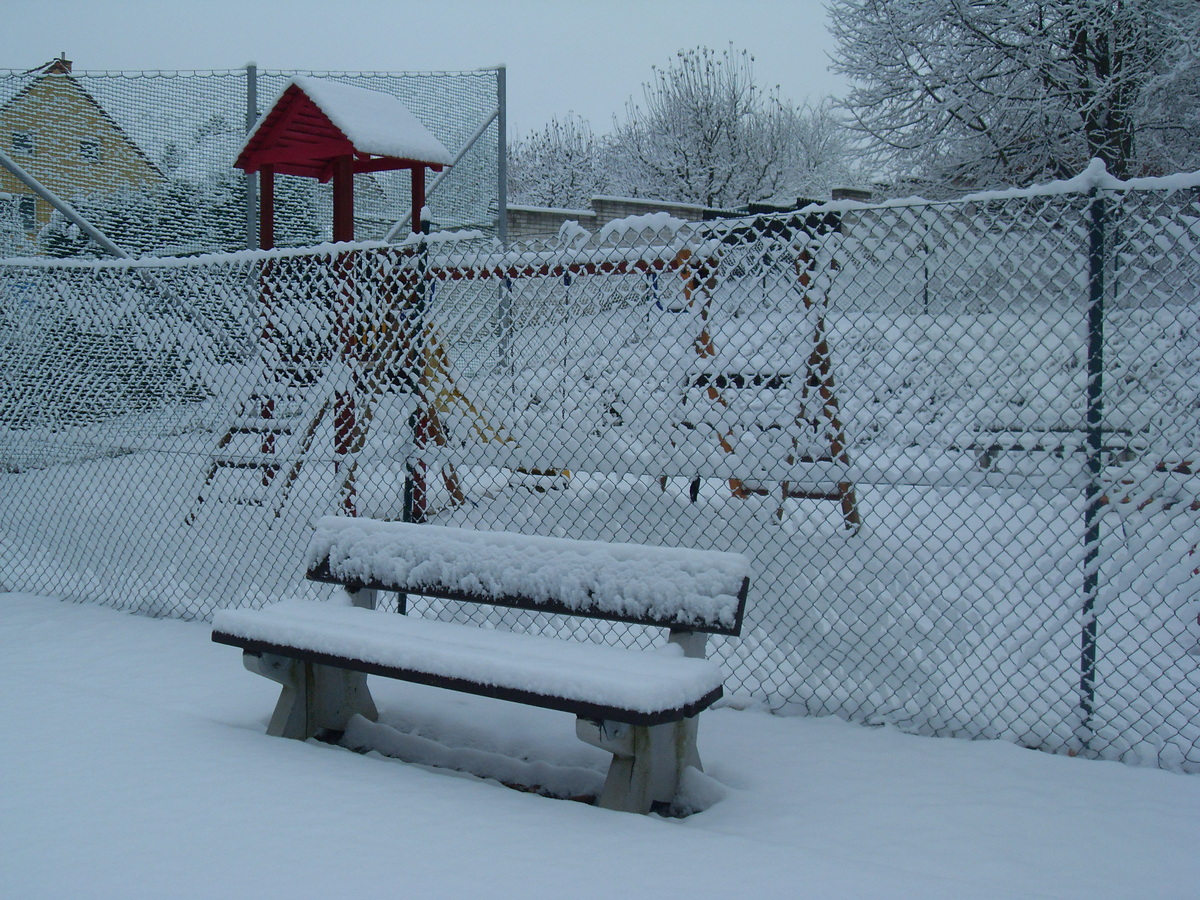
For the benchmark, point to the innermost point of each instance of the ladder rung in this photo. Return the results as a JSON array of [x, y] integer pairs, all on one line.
[[267, 426]]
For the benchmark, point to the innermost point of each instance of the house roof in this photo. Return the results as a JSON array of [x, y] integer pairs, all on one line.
[[14, 91], [315, 121]]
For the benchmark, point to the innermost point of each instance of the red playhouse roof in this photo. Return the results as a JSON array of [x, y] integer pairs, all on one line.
[[315, 121]]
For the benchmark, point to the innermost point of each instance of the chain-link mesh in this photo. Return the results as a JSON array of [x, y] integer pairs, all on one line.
[[147, 158], [958, 440]]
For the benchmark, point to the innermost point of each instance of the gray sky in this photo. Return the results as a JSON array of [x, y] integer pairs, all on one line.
[[570, 55]]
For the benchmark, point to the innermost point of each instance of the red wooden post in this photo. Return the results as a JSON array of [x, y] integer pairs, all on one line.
[[343, 198], [266, 207], [418, 196]]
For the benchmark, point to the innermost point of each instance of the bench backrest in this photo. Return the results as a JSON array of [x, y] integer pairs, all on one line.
[[683, 589]]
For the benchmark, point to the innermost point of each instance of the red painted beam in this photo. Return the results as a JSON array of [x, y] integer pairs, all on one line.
[[363, 163], [546, 270], [314, 153]]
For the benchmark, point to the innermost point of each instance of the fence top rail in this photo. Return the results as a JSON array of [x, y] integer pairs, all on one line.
[[1094, 177], [241, 71], [633, 240]]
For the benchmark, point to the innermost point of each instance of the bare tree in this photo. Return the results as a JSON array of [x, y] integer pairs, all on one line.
[[819, 152], [706, 132], [981, 92], [562, 165]]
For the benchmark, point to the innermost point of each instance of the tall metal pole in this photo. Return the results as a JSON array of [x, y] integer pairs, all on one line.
[[502, 155], [1093, 493], [504, 300], [251, 181], [416, 483]]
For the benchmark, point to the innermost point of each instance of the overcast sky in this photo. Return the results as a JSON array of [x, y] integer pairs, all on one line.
[[570, 55]]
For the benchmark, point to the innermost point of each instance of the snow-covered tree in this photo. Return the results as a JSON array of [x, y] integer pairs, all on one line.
[[563, 165], [984, 92], [707, 133], [819, 152]]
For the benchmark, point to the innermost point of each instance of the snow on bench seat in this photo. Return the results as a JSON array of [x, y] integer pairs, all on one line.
[[634, 686], [698, 590]]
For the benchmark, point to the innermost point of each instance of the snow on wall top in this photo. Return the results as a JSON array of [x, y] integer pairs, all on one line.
[[664, 584], [375, 122], [644, 682], [652, 222]]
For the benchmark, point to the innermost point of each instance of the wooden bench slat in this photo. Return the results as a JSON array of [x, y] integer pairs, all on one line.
[[590, 680], [695, 590]]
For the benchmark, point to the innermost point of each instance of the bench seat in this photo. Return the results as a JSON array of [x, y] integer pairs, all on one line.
[[591, 680]]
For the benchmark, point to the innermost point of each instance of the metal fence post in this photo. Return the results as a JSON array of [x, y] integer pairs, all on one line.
[[502, 155], [416, 484], [251, 181], [1093, 492], [504, 289]]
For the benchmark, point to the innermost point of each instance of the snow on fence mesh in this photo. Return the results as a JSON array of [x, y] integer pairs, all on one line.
[[959, 440], [147, 157]]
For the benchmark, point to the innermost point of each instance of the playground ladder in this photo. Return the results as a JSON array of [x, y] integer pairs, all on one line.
[[259, 455]]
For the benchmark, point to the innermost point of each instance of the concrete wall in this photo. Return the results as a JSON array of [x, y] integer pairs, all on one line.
[[543, 221]]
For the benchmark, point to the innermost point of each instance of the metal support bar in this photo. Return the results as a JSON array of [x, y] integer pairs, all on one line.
[[502, 156], [62, 206], [395, 230], [251, 180], [112, 249]]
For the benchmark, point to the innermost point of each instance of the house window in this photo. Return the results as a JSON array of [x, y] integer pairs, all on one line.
[[89, 151], [27, 212], [22, 143]]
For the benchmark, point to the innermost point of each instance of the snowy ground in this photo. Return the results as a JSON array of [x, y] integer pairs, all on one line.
[[136, 766]]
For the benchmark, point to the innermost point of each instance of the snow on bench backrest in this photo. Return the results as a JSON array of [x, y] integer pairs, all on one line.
[[700, 590]]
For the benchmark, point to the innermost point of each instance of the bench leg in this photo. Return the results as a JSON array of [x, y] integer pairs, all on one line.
[[648, 761], [314, 698]]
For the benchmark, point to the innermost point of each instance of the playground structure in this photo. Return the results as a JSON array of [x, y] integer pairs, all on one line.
[[382, 340], [399, 368], [327, 130], [816, 411]]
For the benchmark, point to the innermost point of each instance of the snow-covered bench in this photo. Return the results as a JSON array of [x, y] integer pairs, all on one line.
[[640, 705]]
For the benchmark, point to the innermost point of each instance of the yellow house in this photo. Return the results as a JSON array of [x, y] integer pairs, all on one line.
[[56, 131]]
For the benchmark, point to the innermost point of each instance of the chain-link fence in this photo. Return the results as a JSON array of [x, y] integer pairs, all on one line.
[[147, 158], [958, 440]]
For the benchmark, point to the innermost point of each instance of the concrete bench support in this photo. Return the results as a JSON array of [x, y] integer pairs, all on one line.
[[648, 761], [315, 700]]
